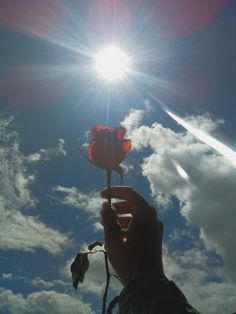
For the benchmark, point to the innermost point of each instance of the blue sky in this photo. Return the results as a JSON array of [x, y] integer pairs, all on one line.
[[50, 95]]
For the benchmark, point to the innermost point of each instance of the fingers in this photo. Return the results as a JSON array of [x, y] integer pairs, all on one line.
[[109, 221], [137, 204], [122, 207], [126, 193]]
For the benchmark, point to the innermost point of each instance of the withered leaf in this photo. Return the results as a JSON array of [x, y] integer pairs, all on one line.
[[78, 268], [94, 244]]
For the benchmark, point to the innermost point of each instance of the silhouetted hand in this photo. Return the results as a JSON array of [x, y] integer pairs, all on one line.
[[141, 254]]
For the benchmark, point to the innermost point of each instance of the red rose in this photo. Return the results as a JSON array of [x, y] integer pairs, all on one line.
[[108, 148]]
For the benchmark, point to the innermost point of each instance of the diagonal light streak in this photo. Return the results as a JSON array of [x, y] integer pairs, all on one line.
[[221, 148], [183, 174]]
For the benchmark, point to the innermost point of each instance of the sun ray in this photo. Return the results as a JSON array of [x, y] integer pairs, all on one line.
[[220, 147]]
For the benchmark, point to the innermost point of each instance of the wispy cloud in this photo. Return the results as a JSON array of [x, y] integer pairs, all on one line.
[[18, 230], [36, 282], [133, 120], [98, 226], [26, 233], [45, 154], [7, 276], [71, 196]]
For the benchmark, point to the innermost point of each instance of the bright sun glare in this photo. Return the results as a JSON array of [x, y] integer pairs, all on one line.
[[112, 63]]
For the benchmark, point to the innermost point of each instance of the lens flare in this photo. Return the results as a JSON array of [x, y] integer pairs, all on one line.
[[183, 174], [221, 148], [112, 63]]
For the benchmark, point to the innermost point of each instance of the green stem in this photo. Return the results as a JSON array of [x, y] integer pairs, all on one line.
[[109, 186]]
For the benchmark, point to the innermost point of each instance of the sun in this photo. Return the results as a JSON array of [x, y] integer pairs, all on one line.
[[112, 63]]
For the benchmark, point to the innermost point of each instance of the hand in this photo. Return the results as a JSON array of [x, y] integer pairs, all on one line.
[[141, 254]]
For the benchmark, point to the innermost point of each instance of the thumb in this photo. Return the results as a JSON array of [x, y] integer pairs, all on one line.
[[109, 221]]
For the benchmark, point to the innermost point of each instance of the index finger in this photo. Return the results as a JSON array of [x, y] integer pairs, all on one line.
[[125, 193], [136, 201]]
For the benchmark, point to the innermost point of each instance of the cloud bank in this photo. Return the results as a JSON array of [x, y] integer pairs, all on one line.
[[42, 302]]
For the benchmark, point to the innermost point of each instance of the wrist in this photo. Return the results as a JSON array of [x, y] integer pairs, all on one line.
[[153, 272], [141, 292], [148, 277]]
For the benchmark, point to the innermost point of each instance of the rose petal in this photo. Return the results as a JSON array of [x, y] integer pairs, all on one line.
[[108, 149], [91, 144], [97, 128], [107, 155], [126, 145], [120, 132]]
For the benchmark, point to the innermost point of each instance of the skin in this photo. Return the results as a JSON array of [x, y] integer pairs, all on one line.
[[141, 254]]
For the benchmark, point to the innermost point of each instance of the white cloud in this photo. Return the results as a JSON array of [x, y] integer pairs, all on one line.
[[208, 200], [40, 283], [7, 276], [191, 271], [212, 297], [46, 284], [71, 196], [189, 265], [14, 303], [17, 230], [204, 122], [178, 234], [98, 226], [37, 281], [43, 302], [133, 120], [26, 233], [45, 154]]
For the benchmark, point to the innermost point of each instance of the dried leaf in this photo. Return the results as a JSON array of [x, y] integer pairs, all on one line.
[[78, 268], [94, 244], [120, 171]]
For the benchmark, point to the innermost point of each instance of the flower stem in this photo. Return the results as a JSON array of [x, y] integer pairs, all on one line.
[[108, 275], [109, 186]]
